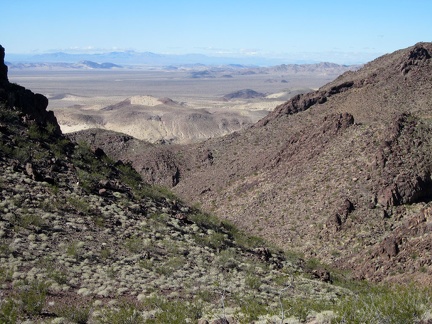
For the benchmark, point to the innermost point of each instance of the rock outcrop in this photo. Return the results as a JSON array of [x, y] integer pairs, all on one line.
[[404, 164], [33, 107], [302, 102], [3, 66]]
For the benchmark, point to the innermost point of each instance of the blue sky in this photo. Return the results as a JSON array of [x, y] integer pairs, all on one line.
[[339, 31]]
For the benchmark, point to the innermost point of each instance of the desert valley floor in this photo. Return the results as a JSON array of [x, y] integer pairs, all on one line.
[[181, 105]]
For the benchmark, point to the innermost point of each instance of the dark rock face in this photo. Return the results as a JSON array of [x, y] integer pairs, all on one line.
[[322, 274], [336, 123], [32, 106], [390, 247], [303, 102], [405, 249], [415, 57], [337, 219], [406, 177], [3, 67]]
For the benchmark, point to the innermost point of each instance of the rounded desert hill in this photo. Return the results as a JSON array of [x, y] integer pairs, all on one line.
[[243, 94]]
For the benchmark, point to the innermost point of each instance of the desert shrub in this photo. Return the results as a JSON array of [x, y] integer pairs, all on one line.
[[249, 241], [5, 149], [170, 266], [381, 304], [30, 219], [125, 314], [129, 176], [227, 259], [74, 250], [154, 191], [241, 238], [59, 276], [8, 115], [35, 132], [159, 217], [251, 308], [53, 270], [208, 296], [50, 128], [90, 169], [60, 147], [252, 281], [214, 240], [33, 297], [140, 189], [312, 264], [134, 244], [98, 220], [146, 264], [5, 250], [300, 308], [293, 256], [205, 220], [79, 204], [87, 181], [105, 253], [173, 311], [9, 311], [5, 275], [21, 151], [79, 314], [164, 192]]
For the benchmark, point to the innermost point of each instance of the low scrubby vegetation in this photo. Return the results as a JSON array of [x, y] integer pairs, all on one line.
[[84, 240]]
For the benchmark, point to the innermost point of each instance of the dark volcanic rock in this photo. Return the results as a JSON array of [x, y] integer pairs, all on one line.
[[3, 67], [406, 166], [302, 102], [416, 57], [32, 106], [337, 219]]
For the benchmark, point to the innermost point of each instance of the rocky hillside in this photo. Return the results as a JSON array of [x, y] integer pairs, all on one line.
[[342, 174], [84, 240]]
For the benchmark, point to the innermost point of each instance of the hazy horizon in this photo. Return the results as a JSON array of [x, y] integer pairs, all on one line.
[[134, 58], [333, 31]]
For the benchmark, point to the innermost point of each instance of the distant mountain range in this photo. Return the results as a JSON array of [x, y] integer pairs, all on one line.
[[146, 58], [62, 65]]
